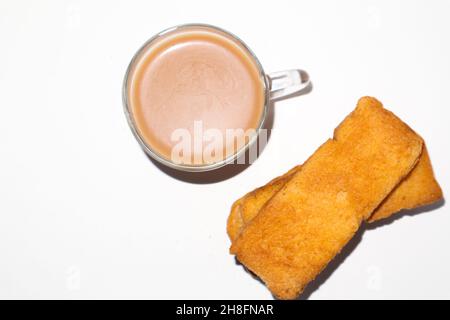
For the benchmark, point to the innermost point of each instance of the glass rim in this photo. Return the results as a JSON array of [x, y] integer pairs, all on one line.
[[192, 167]]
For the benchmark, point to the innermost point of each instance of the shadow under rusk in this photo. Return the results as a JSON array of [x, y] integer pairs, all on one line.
[[405, 213], [238, 166], [326, 273], [353, 243], [351, 246]]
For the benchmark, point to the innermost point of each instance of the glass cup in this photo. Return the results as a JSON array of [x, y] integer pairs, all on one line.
[[277, 85]]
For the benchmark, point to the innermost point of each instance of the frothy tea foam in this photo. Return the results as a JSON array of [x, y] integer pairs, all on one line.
[[194, 75]]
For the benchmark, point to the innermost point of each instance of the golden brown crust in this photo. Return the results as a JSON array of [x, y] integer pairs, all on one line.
[[309, 220]]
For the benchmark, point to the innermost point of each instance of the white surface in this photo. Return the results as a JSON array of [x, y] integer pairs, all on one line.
[[85, 214]]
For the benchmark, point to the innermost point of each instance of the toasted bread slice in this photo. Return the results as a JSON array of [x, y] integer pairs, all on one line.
[[311, 218]]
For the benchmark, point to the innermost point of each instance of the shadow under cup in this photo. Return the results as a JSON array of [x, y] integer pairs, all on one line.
[[196, 97]]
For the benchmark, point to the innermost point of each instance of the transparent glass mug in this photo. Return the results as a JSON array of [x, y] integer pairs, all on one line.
[[276, 86]]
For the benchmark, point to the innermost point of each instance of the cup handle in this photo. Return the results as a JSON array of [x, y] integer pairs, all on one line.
[[283, 84]]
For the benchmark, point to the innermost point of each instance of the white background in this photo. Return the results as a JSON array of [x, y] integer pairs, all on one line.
[[85, 214]]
